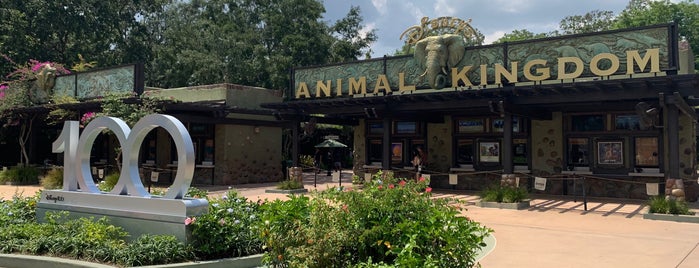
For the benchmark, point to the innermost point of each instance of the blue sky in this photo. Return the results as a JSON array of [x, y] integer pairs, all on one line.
[[493, 18]]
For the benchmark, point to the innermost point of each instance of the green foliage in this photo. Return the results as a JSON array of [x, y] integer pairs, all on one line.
[[306, 160], [504, 194], [207, 42], [109, 182], [196, 192], [593, 21], [357, 180], [110, 32], [130, 111], [392, 222], [289, 185], [153, 249], [519, 35], [663, 205], [228, 230], [22, 175], [82, 238], [19, 210], [648, 12], [53, 179]]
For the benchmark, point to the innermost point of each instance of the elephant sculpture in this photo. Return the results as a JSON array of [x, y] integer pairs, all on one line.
[[437, 54]]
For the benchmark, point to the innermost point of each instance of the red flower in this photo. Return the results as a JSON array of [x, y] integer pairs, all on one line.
[[390, 186], [344, 207], [401, 183], [428, 189], [380, 187], [421, 179]]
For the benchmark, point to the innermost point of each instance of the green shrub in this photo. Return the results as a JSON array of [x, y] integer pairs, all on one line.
[[504, 194], [22, 175], [662, 205], [392, 221], [109, 182], [19, 210], [196, 193], [227, 230], [289, 185], [53, 179], [154, 249]]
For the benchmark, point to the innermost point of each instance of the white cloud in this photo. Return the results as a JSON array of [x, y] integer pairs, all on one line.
[[414, 11], [512, 6], [380, 6], [444, 8], [490, 38]]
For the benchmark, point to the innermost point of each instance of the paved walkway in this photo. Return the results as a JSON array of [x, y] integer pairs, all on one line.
[[555, 232]]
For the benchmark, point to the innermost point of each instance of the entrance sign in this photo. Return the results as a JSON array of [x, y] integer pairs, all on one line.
[[128, 205]]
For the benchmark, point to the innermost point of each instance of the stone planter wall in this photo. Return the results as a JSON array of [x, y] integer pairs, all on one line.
[[517, 206]]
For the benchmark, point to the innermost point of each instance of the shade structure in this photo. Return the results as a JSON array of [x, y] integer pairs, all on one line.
[[330, 144]]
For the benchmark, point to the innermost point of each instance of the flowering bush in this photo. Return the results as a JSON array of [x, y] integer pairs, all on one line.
[[227, 230], [391, 222]]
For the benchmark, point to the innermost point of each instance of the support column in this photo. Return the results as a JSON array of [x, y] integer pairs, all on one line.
[[295, 142], [507, 157], [386, 156], [674, 186]]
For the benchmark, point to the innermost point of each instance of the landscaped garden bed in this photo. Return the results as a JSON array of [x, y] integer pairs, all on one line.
[[504, 197], [669, 209], [391, 222]]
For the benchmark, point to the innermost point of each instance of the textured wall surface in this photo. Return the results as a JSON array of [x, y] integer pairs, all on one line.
[[439, 146], [359, 153], [547, 145]]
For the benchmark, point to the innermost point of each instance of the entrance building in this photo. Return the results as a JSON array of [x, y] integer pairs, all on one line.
[[614, 108]]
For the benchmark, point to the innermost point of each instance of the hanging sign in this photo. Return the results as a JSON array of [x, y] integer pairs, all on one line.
[[540, 183]]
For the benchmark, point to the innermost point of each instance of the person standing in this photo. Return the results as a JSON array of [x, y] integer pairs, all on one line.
[[328, 160]]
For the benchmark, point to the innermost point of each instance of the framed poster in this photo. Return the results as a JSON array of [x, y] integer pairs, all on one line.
[[396, 152], [610, 153], [489, 152]]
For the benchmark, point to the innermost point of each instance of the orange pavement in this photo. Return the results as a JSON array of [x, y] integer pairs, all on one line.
[[554, 232]]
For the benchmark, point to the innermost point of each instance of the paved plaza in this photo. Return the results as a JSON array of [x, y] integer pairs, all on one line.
[[555, 232]]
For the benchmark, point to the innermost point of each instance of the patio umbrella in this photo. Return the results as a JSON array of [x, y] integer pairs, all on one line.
[[330, 144]]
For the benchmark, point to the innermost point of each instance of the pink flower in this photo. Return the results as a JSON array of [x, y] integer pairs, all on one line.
[[380, 187], [421, 179], [401, 183], [189, 220], [2, 94], [221, 222], [428, 189], [3, 87], [344, 208], [391, 186]]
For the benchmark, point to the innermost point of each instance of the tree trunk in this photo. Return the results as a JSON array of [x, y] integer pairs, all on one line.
[[24, 134]]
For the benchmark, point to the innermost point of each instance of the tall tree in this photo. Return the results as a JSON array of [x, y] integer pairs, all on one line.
[[519, 35], [251, 42], [593, 21], [352, 39], [649, 12], [110, 32]]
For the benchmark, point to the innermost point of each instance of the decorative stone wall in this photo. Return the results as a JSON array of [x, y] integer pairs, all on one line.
[[547, 145], [359, 152], [439, 144], [247, 154]]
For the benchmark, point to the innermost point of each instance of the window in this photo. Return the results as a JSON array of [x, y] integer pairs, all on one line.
[[375, 150], [578, 152], [464, 151], [587, 122], [627, 122], [376, 128], [499, 123], [646, 151], [519, 151], [405, 127], [470, 125]]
